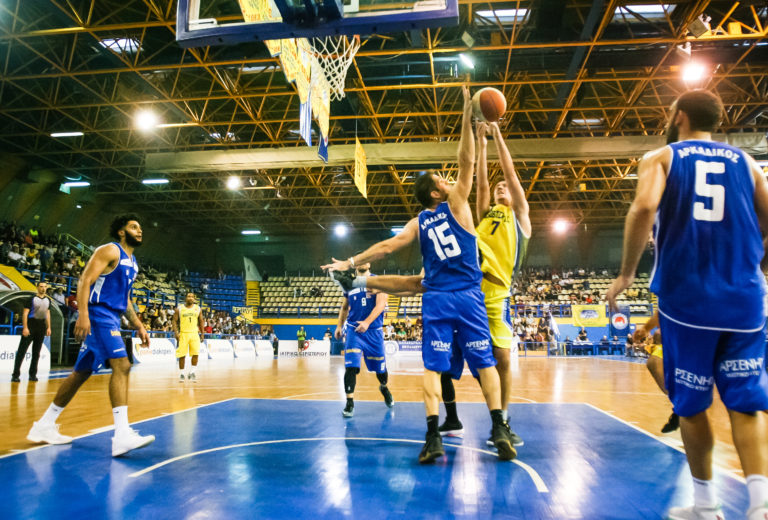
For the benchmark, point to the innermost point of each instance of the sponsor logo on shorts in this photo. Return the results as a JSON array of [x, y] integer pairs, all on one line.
[[742, 367], [693, 381], [440, 346], [114, 333], [121, 349], [482, 344]]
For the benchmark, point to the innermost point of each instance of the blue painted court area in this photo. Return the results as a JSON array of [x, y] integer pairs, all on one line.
[[254, 458]]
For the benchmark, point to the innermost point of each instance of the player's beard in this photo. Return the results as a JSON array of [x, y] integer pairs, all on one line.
[[132, 241], [673, 133]]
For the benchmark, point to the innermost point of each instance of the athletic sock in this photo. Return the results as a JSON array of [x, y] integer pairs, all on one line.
[[350, 401], [432, 422], [450, 412], [497, 417], [505, 414], [192, 370], [704, 493], [120, 414], [51, 414], [757, 487]]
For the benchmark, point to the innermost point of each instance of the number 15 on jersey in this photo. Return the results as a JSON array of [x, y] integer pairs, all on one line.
[[446, 245]]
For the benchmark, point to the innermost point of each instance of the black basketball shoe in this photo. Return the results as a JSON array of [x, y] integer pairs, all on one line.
[[433, 448], [388, 399], [451, 429], [673, 423], [502, 439], [345, 279], [348, 410]]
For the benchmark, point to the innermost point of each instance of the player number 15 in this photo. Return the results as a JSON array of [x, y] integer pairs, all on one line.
[[446, 246]]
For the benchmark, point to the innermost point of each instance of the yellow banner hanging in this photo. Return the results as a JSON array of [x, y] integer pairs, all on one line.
[[255, 11], [321, 99], [589, 315], [361, 168], [304, 69]]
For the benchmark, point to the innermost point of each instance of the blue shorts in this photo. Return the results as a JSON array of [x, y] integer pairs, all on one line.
[[369, 344], [101, 344], [464, 312], [697, 359], [457, 364]]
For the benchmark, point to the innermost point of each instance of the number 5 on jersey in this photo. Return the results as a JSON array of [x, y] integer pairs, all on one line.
[[446, 246], [715, 192]]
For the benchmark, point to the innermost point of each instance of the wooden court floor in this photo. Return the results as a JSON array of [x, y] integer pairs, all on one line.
[[619, 387]]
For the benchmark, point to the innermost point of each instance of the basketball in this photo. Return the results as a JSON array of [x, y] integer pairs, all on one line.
[[489, 104]]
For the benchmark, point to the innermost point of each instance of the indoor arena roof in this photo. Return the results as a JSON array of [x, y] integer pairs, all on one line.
[[601, 74]]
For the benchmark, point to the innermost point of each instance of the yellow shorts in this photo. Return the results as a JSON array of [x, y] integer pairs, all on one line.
[[657, 351], [189, 344], [499, 319]]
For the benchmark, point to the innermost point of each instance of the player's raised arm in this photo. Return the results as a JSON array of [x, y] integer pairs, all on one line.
[[408, 235], [483, 202], [651, 181], [516, 191], [463, 186]]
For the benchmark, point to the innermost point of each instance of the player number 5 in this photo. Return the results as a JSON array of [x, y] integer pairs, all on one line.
[[715, 192], [446, 246]]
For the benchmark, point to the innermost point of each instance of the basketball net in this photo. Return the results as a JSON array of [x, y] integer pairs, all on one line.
[[334, 55]]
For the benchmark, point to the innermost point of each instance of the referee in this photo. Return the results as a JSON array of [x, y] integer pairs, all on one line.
[[36, 320]]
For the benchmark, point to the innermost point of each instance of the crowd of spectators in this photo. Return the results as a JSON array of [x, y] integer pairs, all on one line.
[[29, 249], [406, 329], [542, 285]]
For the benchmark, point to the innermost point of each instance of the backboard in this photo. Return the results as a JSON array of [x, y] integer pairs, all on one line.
[[222, 22]]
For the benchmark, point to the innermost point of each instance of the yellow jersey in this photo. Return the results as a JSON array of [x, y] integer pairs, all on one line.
[[188, 319], [502, 244]]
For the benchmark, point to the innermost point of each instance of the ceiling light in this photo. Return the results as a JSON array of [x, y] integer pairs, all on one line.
[[466, 59], [250, 232], [502, 15], [66, 134], [128, 45], [340, 230], [79, 206], [693, 72], [76, 184], [233, 182], [155, 181], [645, 9], [587, 121], [560, 226], [146, 120]]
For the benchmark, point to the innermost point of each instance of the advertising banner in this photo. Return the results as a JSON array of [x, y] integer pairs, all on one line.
[[310, 348], [620, 321], [244, 349], [589, 315], [220, 349], [8, 347], [161, 351], [264, 349]]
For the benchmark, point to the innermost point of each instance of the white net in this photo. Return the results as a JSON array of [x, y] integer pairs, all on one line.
[[334, 55]]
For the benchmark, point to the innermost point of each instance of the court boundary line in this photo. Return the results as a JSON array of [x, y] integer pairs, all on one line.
[[717, 467], [541, 487], [99, 430]]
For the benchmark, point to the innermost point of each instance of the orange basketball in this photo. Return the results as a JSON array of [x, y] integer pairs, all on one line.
[[489, 104]]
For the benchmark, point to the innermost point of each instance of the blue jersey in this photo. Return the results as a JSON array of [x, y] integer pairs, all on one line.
[[708, 241], [361, 304], [109, 295], [448, 251]]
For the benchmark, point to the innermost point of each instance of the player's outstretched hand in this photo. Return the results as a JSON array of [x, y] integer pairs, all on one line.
[[617, 287], [467, 100], [481, 129], [337, 265]]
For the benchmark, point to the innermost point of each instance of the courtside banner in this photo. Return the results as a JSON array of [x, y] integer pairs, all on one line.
[[264, 349], [589, 315], [402, 348], [161, 351], [309, 348], [620, 321], [220, 349], [244, 349], [8, 347]]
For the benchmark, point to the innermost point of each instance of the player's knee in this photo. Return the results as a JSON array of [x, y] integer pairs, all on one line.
[[447, 388], [350, 379]]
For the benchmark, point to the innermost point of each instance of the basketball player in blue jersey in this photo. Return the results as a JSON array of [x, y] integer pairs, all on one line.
[[709, 201], [452, 299], [361, 317], [103, 294]]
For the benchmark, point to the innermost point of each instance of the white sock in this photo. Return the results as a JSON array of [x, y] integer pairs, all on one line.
[[757, 487], [120, 414], [192, 370], [505, 414], [704, 493], [51, 414]]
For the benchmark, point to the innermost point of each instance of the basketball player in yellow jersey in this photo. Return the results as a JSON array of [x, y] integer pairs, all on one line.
[[503, 231], [188, 327]]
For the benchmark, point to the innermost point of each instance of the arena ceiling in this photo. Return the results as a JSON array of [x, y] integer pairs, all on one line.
[[569, 68]]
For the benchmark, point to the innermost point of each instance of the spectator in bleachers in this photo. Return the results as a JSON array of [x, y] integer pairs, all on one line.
[[15, 258], [59, 298], [583, 334]]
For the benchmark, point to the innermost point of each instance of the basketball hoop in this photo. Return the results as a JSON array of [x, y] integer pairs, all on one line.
[[334, 55]]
